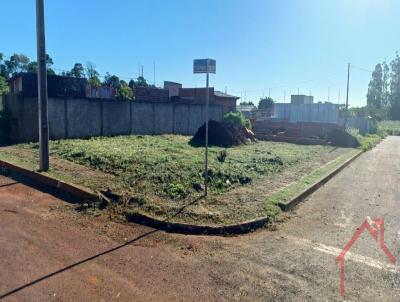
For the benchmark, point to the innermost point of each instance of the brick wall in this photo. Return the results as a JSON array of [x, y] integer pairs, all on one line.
[[149, 94]]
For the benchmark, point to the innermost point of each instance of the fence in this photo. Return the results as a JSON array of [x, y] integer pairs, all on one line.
[[84, 118]]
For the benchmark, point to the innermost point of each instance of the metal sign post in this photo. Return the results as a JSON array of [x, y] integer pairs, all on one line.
[[42, 88], [206, 66]]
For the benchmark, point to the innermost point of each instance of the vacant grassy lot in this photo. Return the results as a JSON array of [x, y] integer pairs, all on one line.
[[163, 175]]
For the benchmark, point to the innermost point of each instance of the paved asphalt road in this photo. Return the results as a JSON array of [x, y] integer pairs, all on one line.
[[48, 252]]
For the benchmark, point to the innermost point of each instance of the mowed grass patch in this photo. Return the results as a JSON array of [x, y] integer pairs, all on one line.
[[161, 175], [168, 166]]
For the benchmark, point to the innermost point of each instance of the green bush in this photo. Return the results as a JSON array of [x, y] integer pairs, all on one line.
[[368, 141], [176, 190], [388, 128], [222, 156], [237, 119]]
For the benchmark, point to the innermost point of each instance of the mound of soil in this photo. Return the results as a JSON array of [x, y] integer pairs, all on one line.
[[339, 137], [223, 134]]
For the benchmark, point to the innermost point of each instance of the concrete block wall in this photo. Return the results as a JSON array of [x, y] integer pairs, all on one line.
[[142, 118], [84, 118], [116, 118], [163, 118]]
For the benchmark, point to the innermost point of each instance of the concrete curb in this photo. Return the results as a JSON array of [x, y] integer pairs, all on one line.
[[190, 229], [77, 191], [312, 188], [174, 227]]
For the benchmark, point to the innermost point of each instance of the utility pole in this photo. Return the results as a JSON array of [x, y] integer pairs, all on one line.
[[269, 92], [329, 94], [154, 73], [42, 88], [347, 96]]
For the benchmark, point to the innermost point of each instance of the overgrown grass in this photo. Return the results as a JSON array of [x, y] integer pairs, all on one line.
[[369, 141], [388, 127], [272, 203]]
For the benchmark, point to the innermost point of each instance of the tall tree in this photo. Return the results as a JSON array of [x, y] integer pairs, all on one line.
[[33, 66], [386, 85], [141, 82], [16, 63], [395, 88], [3, 83], [112, 81], [132, 84], [78, 71], [375, 88], [266, 103], [124, 91], [92, 74], [3, 68]]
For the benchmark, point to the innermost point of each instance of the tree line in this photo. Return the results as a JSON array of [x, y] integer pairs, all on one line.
[[383, 97], [17, 63]]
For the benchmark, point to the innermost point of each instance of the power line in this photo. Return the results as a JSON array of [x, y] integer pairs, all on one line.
[[294, 84], [361, 68]]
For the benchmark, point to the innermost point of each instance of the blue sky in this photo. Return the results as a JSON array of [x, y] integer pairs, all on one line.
[[285, 45]]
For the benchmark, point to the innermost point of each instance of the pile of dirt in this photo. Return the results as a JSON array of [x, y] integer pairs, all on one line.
[[341, 138], [223, 134]]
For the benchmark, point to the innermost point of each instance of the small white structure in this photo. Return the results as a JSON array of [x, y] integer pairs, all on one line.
[[300, 99], [308, 113]]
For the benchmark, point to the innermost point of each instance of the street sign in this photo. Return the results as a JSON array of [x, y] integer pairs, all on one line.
[[204, 66]]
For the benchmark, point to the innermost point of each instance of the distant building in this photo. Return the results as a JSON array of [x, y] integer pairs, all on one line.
[[151, 94], [247, 110], [198, 96], [173, 88], [307, 113], [301, 99], [57, 86]]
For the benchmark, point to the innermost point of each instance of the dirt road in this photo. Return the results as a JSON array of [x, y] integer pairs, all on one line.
[[49, 252]]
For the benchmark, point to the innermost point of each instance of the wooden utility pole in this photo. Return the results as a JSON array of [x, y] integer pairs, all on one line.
[[347, 96], [42, 88]]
